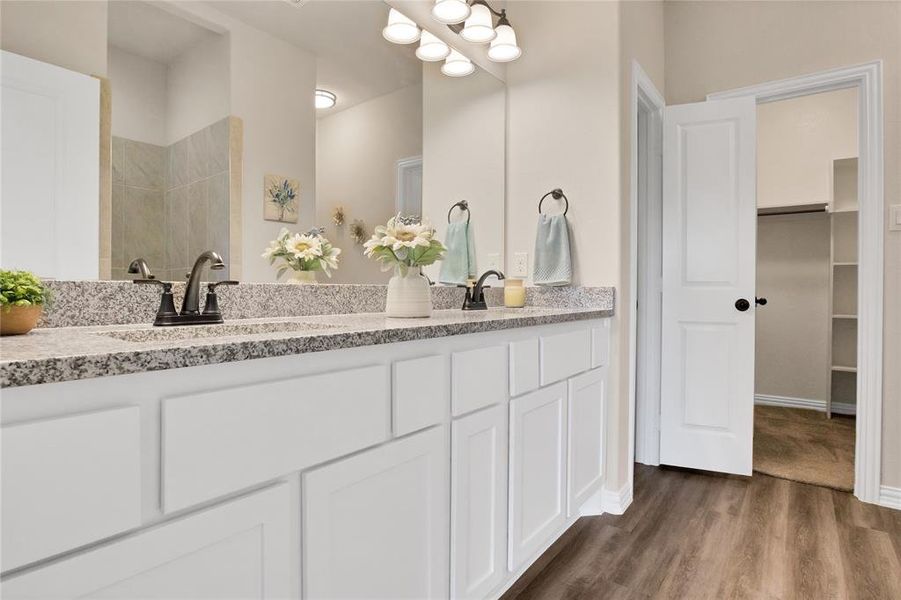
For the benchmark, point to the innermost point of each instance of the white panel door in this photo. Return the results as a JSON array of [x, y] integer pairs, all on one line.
[[479, 503], [240, 549], [710, 219], [537, 471], [585, 416], [376, 524], [51, 169]]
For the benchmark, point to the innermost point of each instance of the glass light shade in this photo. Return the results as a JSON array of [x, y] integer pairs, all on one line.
[[457, 65], [478, 28], [503, 47], [400, 28], [325, 99], [450, 12], [431, 49]]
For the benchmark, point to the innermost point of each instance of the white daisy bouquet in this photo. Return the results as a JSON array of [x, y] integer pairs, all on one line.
[[404, 242], [310, 251]]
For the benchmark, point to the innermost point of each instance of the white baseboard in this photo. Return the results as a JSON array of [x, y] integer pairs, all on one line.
[[890, 497], [839, 408], [616, 502]]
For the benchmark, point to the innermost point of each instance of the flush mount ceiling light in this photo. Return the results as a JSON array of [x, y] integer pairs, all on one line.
[[400, 29], [478, 28], [450, 12], [325, 99], [457, 65], [503, 47], [431, 49]]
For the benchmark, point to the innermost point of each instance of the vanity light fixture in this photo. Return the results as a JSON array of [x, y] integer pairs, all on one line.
[[457, 65], [450, 12], [431, 49], [400, 29], [503, 47], [325, 99], [478, 28]]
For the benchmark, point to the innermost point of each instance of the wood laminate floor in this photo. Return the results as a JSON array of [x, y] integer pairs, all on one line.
[[692, 535]]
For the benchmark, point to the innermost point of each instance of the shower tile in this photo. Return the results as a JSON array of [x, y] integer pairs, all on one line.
[[198, 155], [217, 214], [118, 160], [197, 219], [144, 226], [218, 146], [145, 165], [178, 163], [177, 231]]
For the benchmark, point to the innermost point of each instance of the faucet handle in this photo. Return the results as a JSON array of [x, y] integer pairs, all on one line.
[[211, 306], [167, 287], [211, 287], [166, 311]]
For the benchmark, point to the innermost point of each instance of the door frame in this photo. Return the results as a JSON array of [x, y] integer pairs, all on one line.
[[867, 79]]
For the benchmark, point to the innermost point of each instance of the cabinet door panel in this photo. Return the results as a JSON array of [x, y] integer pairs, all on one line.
[[376, 524], [480, 379], [586, 437], [537, 470], [479, 503], [421, 393], [240, 549]]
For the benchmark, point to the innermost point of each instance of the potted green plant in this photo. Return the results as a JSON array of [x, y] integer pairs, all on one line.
[[22, 297]]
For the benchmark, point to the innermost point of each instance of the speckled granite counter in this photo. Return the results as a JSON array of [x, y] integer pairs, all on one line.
[[51, 355]]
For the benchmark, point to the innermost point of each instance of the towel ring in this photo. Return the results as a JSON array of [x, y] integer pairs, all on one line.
[[556, 194], [463, 205]]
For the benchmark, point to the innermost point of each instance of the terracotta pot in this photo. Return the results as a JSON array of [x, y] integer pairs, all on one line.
[[19, 319]]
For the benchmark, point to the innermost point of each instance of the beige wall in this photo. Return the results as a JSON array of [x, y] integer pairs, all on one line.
[[797, 140], [463, 156], [139, 97], [65, 33], [712, 46], [197, 88], [356, 152], [792, 347]]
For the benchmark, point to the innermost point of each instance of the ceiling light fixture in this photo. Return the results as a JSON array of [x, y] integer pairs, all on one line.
[[325, 99], [431, 49], [400, 29], [478, 28], [450, 12], [503, 47], [457, 65]]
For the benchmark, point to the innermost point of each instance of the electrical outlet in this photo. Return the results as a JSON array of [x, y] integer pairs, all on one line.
[[521, 264], [493, 261]]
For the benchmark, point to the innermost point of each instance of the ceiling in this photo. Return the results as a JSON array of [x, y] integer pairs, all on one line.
[[150, 32], [353, 59]]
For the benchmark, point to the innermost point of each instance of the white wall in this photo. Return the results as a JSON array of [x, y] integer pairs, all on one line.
[[138, 88], [71, 34], [712, 46], [463, 156], [797, 140], [197, 88], [356, 152]]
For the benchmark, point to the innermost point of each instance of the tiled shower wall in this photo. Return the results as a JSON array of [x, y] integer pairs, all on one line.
[[171, 203]]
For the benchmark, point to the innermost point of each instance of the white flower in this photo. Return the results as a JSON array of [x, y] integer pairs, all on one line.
[[303, 246], [274, 247], [399, 235], [329, 260]]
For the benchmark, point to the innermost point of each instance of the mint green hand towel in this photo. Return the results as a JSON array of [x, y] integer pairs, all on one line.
[[553, 264], [459, 262]]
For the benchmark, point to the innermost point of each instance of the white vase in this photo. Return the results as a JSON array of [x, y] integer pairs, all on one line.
[[409, 295], [302, 277]]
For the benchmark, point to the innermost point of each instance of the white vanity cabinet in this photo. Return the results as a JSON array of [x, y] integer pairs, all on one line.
[[375, 525], [434, 468]]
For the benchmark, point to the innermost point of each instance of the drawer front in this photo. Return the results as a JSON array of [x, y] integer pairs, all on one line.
[[219, 442], [69, 481], [564, 355], [479, 378], [421, 393], [600, 345], [523, 366]]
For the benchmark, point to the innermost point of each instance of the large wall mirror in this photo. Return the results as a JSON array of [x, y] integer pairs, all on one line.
[[230, 120]]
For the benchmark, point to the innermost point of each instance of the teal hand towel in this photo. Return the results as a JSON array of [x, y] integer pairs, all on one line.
[[459, 262], [553, 264]]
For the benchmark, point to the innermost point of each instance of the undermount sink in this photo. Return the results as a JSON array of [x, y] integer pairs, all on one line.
[[165, 334]]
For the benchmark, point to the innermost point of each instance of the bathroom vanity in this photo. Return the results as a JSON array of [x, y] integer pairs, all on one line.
[[336, 456]]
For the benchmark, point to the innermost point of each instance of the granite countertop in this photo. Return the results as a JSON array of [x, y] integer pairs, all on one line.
[[52, 355]]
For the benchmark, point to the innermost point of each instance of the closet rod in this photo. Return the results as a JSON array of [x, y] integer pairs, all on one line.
[[798, 209]]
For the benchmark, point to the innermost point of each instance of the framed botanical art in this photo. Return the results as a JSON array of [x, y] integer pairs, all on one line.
[[281, 196]]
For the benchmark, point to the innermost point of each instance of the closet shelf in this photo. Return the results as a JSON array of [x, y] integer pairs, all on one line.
[[844, 264], [841, 369], [793, 209], [844, 316], [845, 210]]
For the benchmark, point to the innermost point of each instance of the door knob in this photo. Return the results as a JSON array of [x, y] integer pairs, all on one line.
[[760, 301], [742, 305]]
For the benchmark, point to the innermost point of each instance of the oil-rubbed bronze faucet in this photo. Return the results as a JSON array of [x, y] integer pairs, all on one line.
[[190, 308], [475, 296]]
